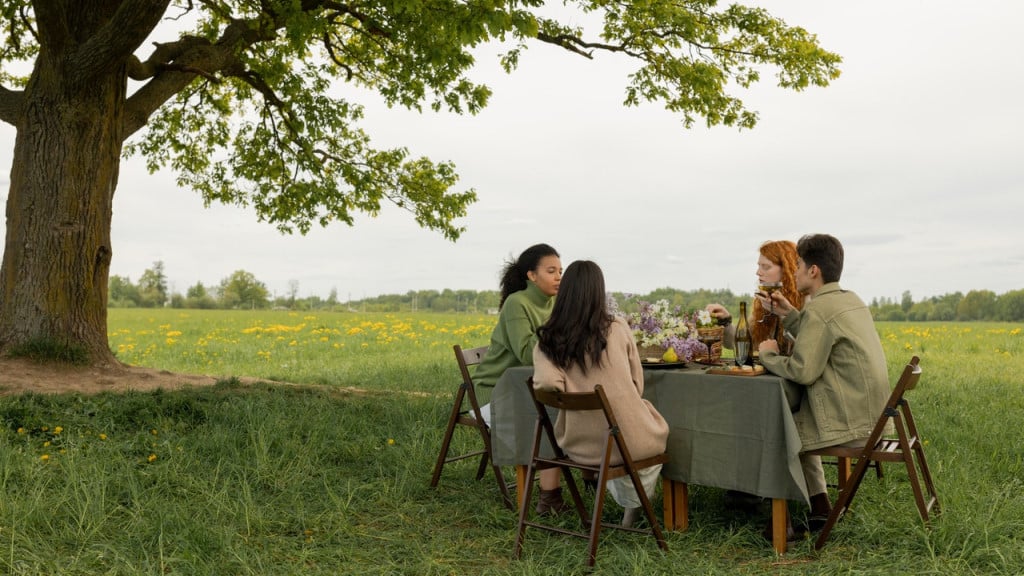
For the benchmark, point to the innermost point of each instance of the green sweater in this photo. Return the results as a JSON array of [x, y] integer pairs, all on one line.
[[514, 336]]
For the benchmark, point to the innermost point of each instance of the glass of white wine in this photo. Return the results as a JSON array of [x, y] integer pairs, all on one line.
[[768, 288]]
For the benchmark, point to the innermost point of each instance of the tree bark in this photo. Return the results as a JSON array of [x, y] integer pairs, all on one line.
[[53, 280]]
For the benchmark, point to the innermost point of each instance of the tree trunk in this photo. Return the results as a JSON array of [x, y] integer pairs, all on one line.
[[56, 261]]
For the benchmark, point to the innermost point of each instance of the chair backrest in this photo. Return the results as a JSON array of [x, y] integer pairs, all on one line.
[[577, 401], [911, 374], [907, 381], [467, 358]]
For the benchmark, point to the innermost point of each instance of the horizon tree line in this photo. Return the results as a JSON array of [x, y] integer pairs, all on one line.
[[242, 290]]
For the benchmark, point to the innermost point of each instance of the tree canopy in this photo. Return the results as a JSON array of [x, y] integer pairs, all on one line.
[[250, 103]]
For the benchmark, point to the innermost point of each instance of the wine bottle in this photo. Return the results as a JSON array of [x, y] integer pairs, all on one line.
[[742, 337]]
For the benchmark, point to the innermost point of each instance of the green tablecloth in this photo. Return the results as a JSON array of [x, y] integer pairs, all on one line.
[[733, 432]]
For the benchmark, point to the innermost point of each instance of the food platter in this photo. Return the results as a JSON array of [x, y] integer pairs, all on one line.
[[661, 364], [735, 371]]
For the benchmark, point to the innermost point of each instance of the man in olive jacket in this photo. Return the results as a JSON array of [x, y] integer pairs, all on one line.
[[837, 355]]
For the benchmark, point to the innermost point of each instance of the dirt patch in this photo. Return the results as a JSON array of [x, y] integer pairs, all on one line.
[[18, 375]]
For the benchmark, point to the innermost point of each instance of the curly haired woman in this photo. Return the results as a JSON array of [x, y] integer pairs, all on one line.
[[776, 263]]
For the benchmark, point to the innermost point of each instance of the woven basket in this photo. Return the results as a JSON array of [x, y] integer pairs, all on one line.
[[650, 352]]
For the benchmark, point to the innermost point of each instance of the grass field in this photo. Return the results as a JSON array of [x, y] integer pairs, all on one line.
[[322, 479]]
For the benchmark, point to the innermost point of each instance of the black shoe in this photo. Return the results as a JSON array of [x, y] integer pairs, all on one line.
[[742, 500], [815, 523]]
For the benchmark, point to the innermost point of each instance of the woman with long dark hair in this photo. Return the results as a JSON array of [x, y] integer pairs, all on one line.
[[582, 345]]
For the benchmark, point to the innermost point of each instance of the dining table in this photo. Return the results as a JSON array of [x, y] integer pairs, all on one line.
[[727, 431]]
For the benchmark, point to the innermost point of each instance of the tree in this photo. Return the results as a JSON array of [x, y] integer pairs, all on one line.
[[153, 286], [906, 301], [243, 290], [977, 305], [293, 292], [197, 297], [122, 292], [1011, 306], [244, 107]]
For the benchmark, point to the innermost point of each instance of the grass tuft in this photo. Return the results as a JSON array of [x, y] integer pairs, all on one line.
[[50, 350]]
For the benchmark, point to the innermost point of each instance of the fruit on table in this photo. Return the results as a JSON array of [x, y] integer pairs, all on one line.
[[670, 356]]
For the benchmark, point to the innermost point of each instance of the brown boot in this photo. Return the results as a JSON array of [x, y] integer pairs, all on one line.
[[550, 502]]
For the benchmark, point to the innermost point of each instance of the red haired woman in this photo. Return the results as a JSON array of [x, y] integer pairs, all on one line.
[[776, 263]]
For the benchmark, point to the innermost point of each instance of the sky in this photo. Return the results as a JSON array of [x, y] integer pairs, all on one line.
[[912, 158]]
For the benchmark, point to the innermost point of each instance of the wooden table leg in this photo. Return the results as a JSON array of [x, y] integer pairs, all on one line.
[[520, 484], [843, 464], [780, 515], [676, 504]]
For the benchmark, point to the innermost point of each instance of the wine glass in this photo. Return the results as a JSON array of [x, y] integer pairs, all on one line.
[[768, 288], [708, 339]]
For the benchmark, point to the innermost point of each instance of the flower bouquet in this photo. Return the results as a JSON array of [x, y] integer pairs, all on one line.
[[659, 328]]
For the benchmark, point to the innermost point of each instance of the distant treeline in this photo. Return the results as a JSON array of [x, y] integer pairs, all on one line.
[[242, 290]]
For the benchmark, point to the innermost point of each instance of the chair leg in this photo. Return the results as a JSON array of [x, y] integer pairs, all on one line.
[[927, 477], [524, 510], [453, 419], [645, 503], [843, 501], [595, 521]]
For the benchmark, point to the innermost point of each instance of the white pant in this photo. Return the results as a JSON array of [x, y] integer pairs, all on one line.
[[622, 488]]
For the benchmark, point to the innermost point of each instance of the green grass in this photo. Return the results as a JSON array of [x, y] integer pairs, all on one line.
[[282, 479]]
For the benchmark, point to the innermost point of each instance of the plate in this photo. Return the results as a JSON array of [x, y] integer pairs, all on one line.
[[656, 365]]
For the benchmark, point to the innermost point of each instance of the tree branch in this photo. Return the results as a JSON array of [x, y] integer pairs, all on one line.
[[116, 40], [50, 22], [12, 105], [198, 57], [162, 56]]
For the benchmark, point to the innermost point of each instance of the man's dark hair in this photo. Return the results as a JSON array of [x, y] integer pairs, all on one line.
[[823, 251]]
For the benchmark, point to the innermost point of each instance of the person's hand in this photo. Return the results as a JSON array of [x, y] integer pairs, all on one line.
[[718, 311], [768, 346], [782, 306]]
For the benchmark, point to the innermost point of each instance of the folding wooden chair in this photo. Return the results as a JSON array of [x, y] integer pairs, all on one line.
[[605, 470], [906, 447], [470, 417]]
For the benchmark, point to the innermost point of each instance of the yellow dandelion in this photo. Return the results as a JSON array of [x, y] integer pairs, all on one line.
[[153, 432], [44, 457], [103, 436], [47, 443], [58, 430], [391, 441], [45, 428], [21, 430], [151, 458]]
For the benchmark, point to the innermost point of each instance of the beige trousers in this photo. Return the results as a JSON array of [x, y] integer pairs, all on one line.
[[814, 474]]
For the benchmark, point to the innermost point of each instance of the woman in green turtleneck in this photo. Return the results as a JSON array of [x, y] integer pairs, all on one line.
[[528, 288]]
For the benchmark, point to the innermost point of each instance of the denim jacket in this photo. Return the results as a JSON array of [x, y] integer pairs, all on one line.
[[838, 356]]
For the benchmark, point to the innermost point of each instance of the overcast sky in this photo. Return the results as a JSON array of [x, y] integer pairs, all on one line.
[[912, 158]]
